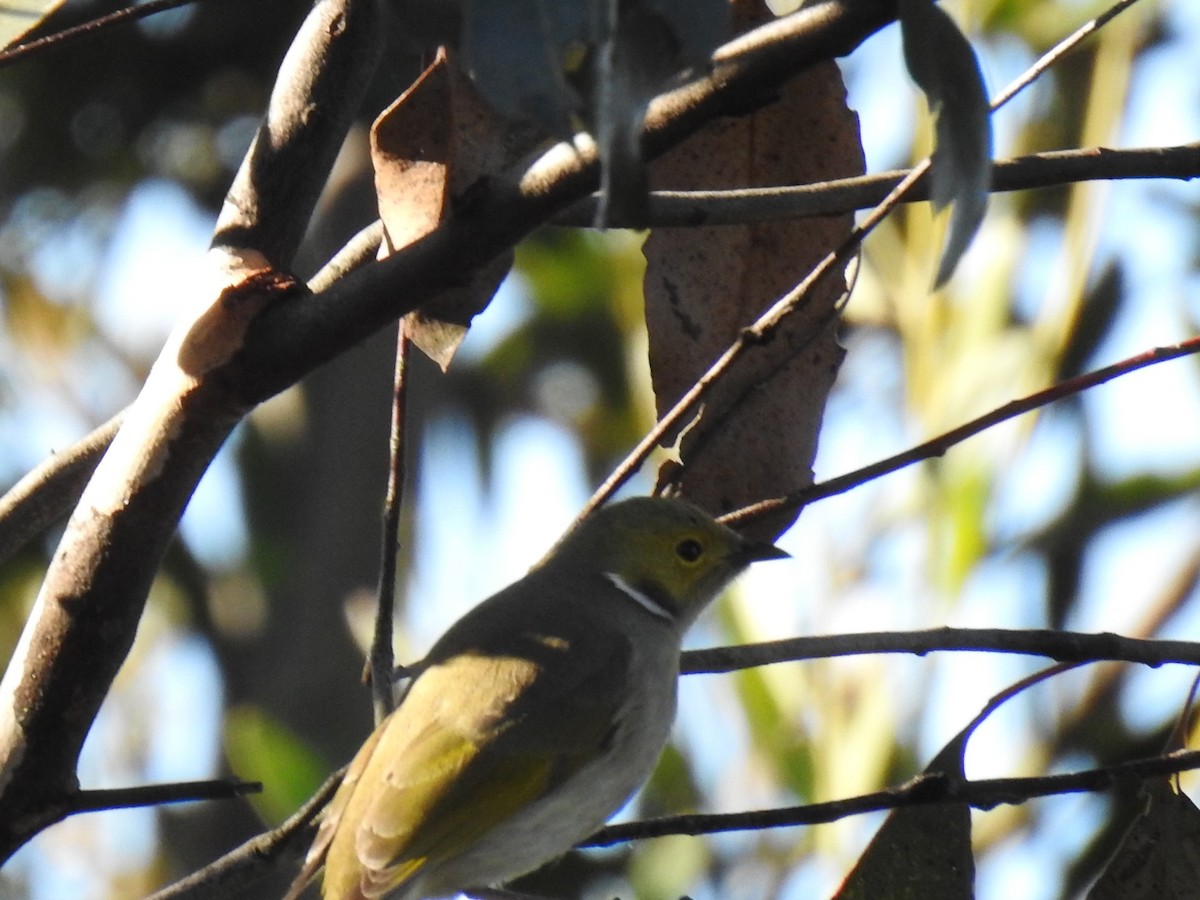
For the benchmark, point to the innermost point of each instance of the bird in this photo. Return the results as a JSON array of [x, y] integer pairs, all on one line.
[[535, 716]]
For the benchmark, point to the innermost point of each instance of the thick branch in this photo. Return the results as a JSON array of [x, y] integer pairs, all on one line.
[[254, 341], [287, 342], [45, 495], [318, 90]]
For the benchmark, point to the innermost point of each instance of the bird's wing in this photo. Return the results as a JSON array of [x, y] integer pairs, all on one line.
[[332, 815], [433, 789]]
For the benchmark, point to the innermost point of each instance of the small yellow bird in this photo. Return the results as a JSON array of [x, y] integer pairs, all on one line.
[[535, 717]]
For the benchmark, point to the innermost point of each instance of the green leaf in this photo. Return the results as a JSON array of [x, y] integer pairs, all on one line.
[[944, 66], [18, 17], [259, 747]]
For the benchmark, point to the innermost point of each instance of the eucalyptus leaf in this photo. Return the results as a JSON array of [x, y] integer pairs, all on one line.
[[520, 52], [943, 64], [569, 64]]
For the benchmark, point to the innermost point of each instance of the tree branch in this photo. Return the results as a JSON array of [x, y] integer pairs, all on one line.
[[287, 342], [256, 338], [45, 495], [319, 87], [938, 446], [258, 857], [89, 28], [87, 611], [161, 794], [690, 209], [923, 790], [1061, 646]]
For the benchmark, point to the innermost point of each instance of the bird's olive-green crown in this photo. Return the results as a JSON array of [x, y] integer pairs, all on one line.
[[665, 554]]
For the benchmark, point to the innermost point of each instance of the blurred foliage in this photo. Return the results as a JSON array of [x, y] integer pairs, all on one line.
[[83, 125]]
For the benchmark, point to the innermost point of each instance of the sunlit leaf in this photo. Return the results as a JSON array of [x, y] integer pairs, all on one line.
[[17, 17], [428, 147], [757, 434], [943, 65]]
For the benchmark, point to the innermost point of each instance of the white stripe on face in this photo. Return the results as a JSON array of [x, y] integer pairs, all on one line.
[[639, 597]]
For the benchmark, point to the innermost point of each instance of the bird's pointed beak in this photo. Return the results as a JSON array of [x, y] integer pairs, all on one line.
[[760, 551]]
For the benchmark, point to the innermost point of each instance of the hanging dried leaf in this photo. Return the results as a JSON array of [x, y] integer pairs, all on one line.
[[920, 852], [427, 148], [756, 436], [1159, 857]]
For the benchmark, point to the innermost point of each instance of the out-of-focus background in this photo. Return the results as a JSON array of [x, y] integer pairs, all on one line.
[[114, 155]]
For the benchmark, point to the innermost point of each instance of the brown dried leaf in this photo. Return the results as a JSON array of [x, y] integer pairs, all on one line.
[[756, 436], [920, 852], [1158, 858], [428, 148]]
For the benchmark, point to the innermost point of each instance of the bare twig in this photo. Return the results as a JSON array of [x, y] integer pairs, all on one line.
[[161, 794], [937, 446], [925, 789], [382, 661], [768, 321], [244, 866], [689, 209], [88, 28], [356, 253], [1062, 646]]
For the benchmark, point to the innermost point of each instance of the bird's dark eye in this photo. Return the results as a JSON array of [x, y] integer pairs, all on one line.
[[689, 550]]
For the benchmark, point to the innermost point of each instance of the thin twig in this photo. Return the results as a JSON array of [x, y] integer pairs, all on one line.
[[925, 789], [354, 254], [769, 320], [257, 858], [18, 525], [382, 660], [161, 794], [937, 446], [90, 27], [1059, 50], [741, 206], [1061, 646]]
